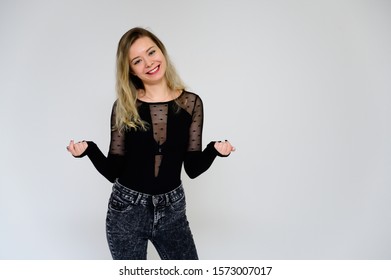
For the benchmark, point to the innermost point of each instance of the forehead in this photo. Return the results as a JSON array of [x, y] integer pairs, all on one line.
[[140, 46]]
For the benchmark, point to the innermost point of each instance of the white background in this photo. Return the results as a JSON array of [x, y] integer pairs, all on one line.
[[301, 88]]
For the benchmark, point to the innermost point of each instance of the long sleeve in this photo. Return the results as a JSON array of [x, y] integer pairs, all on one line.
[[197, 161], [112, 165]]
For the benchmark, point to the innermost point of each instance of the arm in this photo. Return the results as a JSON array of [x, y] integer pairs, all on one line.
[[112, 165], [196, 161]]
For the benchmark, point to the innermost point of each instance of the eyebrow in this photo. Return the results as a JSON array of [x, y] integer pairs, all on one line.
[[145, 51]]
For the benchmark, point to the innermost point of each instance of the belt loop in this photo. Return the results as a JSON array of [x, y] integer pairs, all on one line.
[[138, 198], [168, 201]]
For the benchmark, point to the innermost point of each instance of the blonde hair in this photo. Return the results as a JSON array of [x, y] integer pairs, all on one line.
[[127, 84]]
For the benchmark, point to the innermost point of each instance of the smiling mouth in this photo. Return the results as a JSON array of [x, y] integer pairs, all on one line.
[[154, 70]]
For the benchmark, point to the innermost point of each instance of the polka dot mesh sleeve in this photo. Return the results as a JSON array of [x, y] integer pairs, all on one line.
[[197, 161], [117, 144], [193, 105]]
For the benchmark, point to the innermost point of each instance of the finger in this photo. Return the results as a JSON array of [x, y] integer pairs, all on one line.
[[77, 149], [222, 148], [80, 147], [71, 147], [218, 146], [227, 148], [83, 146], [231, 148]]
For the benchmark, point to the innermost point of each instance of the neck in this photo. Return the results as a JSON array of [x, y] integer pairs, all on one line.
[[156, 93]]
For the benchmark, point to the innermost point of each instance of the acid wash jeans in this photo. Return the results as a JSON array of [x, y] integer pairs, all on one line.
[[133, 218]]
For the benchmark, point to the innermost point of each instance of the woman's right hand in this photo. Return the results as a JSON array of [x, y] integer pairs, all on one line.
[[77, 149], [224, 148]]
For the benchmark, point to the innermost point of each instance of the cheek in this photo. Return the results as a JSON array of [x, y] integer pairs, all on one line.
[[160, 57], [163, 61], [135, 70]]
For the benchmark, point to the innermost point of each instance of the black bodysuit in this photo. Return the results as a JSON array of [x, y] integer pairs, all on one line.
[[151, 161]]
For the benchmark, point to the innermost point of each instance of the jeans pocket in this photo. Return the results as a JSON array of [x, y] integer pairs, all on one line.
[[116, 203], [179, 205]]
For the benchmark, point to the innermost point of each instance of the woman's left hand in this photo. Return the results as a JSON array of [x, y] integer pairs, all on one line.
[[224, 147]]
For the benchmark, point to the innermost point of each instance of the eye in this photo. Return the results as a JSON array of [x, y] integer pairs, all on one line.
[[152, 52], [137, 61]]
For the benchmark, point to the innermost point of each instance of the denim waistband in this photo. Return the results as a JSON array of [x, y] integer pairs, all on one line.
[[136, 197]]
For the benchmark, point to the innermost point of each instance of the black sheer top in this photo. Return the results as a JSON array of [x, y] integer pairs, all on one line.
[[151, 161]]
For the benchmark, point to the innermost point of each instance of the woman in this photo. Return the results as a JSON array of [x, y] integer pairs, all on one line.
[[156, 127]]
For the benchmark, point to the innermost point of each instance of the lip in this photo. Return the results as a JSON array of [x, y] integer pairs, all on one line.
[[154, 70]]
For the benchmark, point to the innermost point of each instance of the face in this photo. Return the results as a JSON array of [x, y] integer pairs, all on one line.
[[147, 61]]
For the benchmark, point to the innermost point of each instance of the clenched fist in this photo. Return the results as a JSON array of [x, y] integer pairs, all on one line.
[[77, 149], [224, 148]]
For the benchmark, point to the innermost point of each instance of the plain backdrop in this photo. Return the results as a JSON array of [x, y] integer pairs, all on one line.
[[301, 88]]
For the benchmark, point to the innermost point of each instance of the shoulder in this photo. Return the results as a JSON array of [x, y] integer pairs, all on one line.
[[190, 102], [188, 96]]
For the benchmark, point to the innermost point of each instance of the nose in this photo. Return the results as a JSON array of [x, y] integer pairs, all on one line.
[[149, 63]]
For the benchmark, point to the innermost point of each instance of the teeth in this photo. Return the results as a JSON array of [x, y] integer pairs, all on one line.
[[153, 70]]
